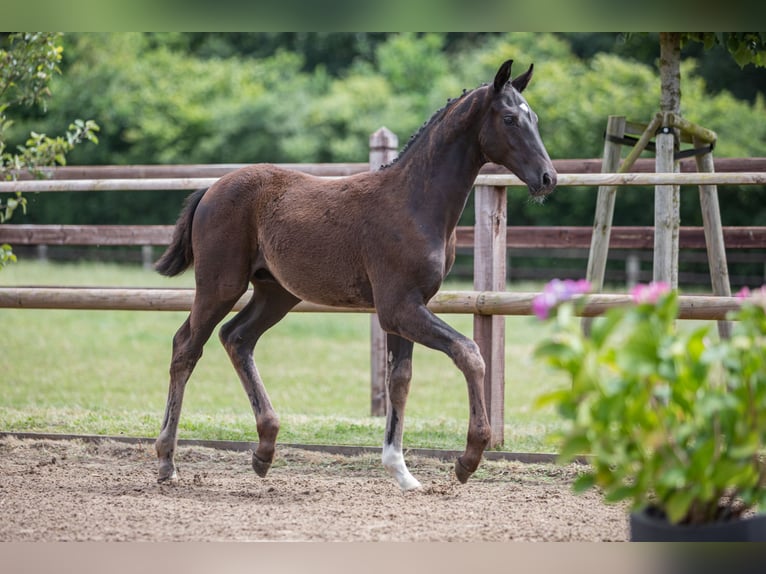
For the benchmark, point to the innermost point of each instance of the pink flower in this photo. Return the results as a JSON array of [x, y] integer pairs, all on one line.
[[746, 292], [743, 293], [555, 292], [757, 296], [649, 293]]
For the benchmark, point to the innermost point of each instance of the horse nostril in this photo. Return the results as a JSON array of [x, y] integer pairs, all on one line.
[[547, 181]]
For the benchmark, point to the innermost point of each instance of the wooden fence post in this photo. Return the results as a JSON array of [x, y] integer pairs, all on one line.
[[384, 147], [666, 213], [489, 275], [602, 220], [711, 221], [42, 252], [147, 257], [632, 270]]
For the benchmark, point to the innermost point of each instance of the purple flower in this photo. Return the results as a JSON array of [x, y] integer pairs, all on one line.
[[649, 293], [542, 305], [555, 292]]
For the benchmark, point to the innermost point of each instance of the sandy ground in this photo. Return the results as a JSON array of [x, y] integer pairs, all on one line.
[[72, 490]]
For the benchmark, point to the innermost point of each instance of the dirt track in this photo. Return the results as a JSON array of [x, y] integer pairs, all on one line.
[[70, 490]]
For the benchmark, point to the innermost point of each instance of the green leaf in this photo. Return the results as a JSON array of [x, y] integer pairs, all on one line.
[[553, 398], [746, 448], [573, 447], [584, 482], [702, 460], [728, 473], [603, 326], [673, 478], [620, 493], [678, 504]]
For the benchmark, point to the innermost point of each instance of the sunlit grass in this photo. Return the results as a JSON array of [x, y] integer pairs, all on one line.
[[105, 372]]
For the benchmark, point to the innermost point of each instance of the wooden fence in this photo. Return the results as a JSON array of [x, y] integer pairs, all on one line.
[[490, 239]]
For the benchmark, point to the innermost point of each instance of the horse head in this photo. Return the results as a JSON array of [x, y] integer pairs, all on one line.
[[509, 134]]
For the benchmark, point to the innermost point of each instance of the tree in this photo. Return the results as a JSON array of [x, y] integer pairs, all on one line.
[[28, 61], [745, 48]]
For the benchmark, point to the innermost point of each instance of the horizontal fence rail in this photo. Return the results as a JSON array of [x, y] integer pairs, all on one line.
[[145, 171], [636, 179], [456, 302], [497, 180], [86, 234], [517, 236]]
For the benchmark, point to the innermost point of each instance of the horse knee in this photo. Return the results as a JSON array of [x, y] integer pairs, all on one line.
[[467, 357], [401, 369]]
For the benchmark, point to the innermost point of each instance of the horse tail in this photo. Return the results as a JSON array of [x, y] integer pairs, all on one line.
[[179, 255]]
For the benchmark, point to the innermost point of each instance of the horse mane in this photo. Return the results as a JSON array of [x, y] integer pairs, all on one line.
[[437, 115]]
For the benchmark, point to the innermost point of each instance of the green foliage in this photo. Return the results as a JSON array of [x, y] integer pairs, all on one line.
[[27, 65], [744, 47], [158, 104], [671, 419], [244, 98]]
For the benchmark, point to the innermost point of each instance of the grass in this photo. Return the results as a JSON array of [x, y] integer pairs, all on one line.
[[105, 372]]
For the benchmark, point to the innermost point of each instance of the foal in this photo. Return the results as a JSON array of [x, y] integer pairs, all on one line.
[[384, 239]]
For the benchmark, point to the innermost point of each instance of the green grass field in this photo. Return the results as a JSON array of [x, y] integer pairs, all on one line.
[[105, 372]]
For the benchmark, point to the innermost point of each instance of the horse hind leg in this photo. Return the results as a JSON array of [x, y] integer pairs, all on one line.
[[398, 380], [188, 342], [268, 305]]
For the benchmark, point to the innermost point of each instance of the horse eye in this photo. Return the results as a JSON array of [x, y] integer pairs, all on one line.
[[509, 120]]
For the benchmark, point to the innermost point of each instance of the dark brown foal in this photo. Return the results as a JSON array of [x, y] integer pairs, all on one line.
[[383, 240]]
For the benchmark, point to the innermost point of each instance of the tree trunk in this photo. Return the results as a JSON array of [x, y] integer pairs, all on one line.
[[670, 72], [667, 197]]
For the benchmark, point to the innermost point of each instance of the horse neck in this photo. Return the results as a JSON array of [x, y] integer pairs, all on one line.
[[443, 161]]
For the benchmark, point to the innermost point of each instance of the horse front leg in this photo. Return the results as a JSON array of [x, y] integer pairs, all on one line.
[[417, 323], [467, 357], [399, 374]]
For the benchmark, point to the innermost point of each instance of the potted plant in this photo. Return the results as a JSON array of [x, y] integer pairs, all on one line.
[[672, 420]]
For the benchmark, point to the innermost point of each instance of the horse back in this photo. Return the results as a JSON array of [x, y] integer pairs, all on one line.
[[332, 241]]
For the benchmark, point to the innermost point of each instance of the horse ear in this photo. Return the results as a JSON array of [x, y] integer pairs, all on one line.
[[521, 81], [503, 75]]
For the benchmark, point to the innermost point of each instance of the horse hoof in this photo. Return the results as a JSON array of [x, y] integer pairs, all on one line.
[[462, 472], [261, 467], [411, 486], [171, 478]]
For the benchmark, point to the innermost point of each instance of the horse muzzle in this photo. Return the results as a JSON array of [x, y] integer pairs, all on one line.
[[544, 185]]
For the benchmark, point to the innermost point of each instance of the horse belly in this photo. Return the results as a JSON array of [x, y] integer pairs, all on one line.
[[323, 276], [313, 236]]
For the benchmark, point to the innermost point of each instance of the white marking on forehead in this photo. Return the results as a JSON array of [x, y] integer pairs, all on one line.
[[524, 107]]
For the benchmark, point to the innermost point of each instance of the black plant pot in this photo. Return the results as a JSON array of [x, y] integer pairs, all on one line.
[[649, 527]]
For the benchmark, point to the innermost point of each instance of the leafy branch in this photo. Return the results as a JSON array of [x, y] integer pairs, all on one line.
[[27, 66]]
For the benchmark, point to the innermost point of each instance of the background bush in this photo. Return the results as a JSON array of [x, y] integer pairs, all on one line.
[[273, 97]]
